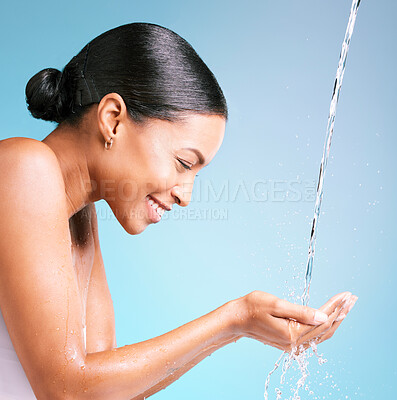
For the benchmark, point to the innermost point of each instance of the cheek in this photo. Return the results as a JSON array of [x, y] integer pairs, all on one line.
[[160, 178], [128, 190]]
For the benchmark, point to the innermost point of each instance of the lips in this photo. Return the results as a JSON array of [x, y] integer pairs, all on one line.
[[155, 209], [167, 208]]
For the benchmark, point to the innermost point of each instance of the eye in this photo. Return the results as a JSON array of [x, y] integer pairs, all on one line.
[[184, 165]]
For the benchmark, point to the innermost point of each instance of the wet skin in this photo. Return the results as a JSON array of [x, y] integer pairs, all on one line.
[[51, 268]]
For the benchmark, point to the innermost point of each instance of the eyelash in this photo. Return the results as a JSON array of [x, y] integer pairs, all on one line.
[[184, 165]]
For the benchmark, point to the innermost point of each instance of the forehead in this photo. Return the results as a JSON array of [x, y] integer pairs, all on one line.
[[203, 132]]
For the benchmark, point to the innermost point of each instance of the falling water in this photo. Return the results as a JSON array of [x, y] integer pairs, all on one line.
[[302, 357], [324, 161]]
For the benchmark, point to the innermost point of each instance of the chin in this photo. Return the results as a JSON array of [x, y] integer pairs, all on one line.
[[132, 225], [132, 229]]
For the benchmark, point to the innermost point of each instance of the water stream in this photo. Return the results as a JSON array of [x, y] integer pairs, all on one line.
[[324, 161], [302, 358]]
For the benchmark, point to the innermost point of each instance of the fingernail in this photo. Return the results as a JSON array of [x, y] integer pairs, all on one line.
[[320, 317]]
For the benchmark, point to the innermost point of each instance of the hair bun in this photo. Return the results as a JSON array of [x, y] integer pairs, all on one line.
[[44, 96]]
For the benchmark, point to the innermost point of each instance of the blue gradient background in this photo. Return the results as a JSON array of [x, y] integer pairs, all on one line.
[[276, 62]]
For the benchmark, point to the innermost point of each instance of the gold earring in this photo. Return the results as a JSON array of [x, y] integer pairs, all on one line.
[[108, 145]]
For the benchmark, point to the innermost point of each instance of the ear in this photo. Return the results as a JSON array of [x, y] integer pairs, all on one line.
[[111, 112]]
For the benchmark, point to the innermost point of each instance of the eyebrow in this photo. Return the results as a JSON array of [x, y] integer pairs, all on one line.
[[198, 153]]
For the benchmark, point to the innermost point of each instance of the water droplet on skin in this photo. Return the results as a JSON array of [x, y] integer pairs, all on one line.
[[64, 390], [83, 367], [57, 329]]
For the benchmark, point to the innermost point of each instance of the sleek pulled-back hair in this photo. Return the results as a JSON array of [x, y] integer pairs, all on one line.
[[156, 72]]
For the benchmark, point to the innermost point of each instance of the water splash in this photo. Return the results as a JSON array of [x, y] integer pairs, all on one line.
[[330, 129], [270, 373], [303, 356]]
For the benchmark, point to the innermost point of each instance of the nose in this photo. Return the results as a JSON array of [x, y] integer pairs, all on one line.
[[182, 193]]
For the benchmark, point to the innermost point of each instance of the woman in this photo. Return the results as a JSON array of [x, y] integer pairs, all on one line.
[[139, 114]]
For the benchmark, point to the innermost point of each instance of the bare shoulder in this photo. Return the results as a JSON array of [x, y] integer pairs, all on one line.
[[15, 151], [29, 167], [21, 144]]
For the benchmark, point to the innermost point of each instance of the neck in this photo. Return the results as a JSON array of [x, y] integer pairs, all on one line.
[[70, 145]]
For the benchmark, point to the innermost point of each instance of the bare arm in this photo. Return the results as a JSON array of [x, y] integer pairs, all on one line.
[[178, 373], [40, 304]]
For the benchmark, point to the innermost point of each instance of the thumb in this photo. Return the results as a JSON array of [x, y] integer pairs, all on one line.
[[303, 314]]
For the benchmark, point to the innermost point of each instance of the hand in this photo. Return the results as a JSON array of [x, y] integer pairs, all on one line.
[[336, 308], [284, 325]]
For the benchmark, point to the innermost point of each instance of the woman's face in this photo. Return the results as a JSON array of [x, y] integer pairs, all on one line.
[[156, 166]]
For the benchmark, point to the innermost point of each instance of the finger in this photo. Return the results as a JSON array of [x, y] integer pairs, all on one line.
[[303, 314], [334, 301], [328, 308], [322, 329], [330, 332], [341, 313], [349, 305], [327, 335]]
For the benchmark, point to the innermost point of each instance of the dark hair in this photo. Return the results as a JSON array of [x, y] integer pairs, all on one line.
[[156, 72]]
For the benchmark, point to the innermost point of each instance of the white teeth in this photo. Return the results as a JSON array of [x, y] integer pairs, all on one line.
[[159, 209]]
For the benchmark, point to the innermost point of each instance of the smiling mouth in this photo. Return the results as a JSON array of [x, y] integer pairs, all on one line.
[[156, 206], [165, 206]]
